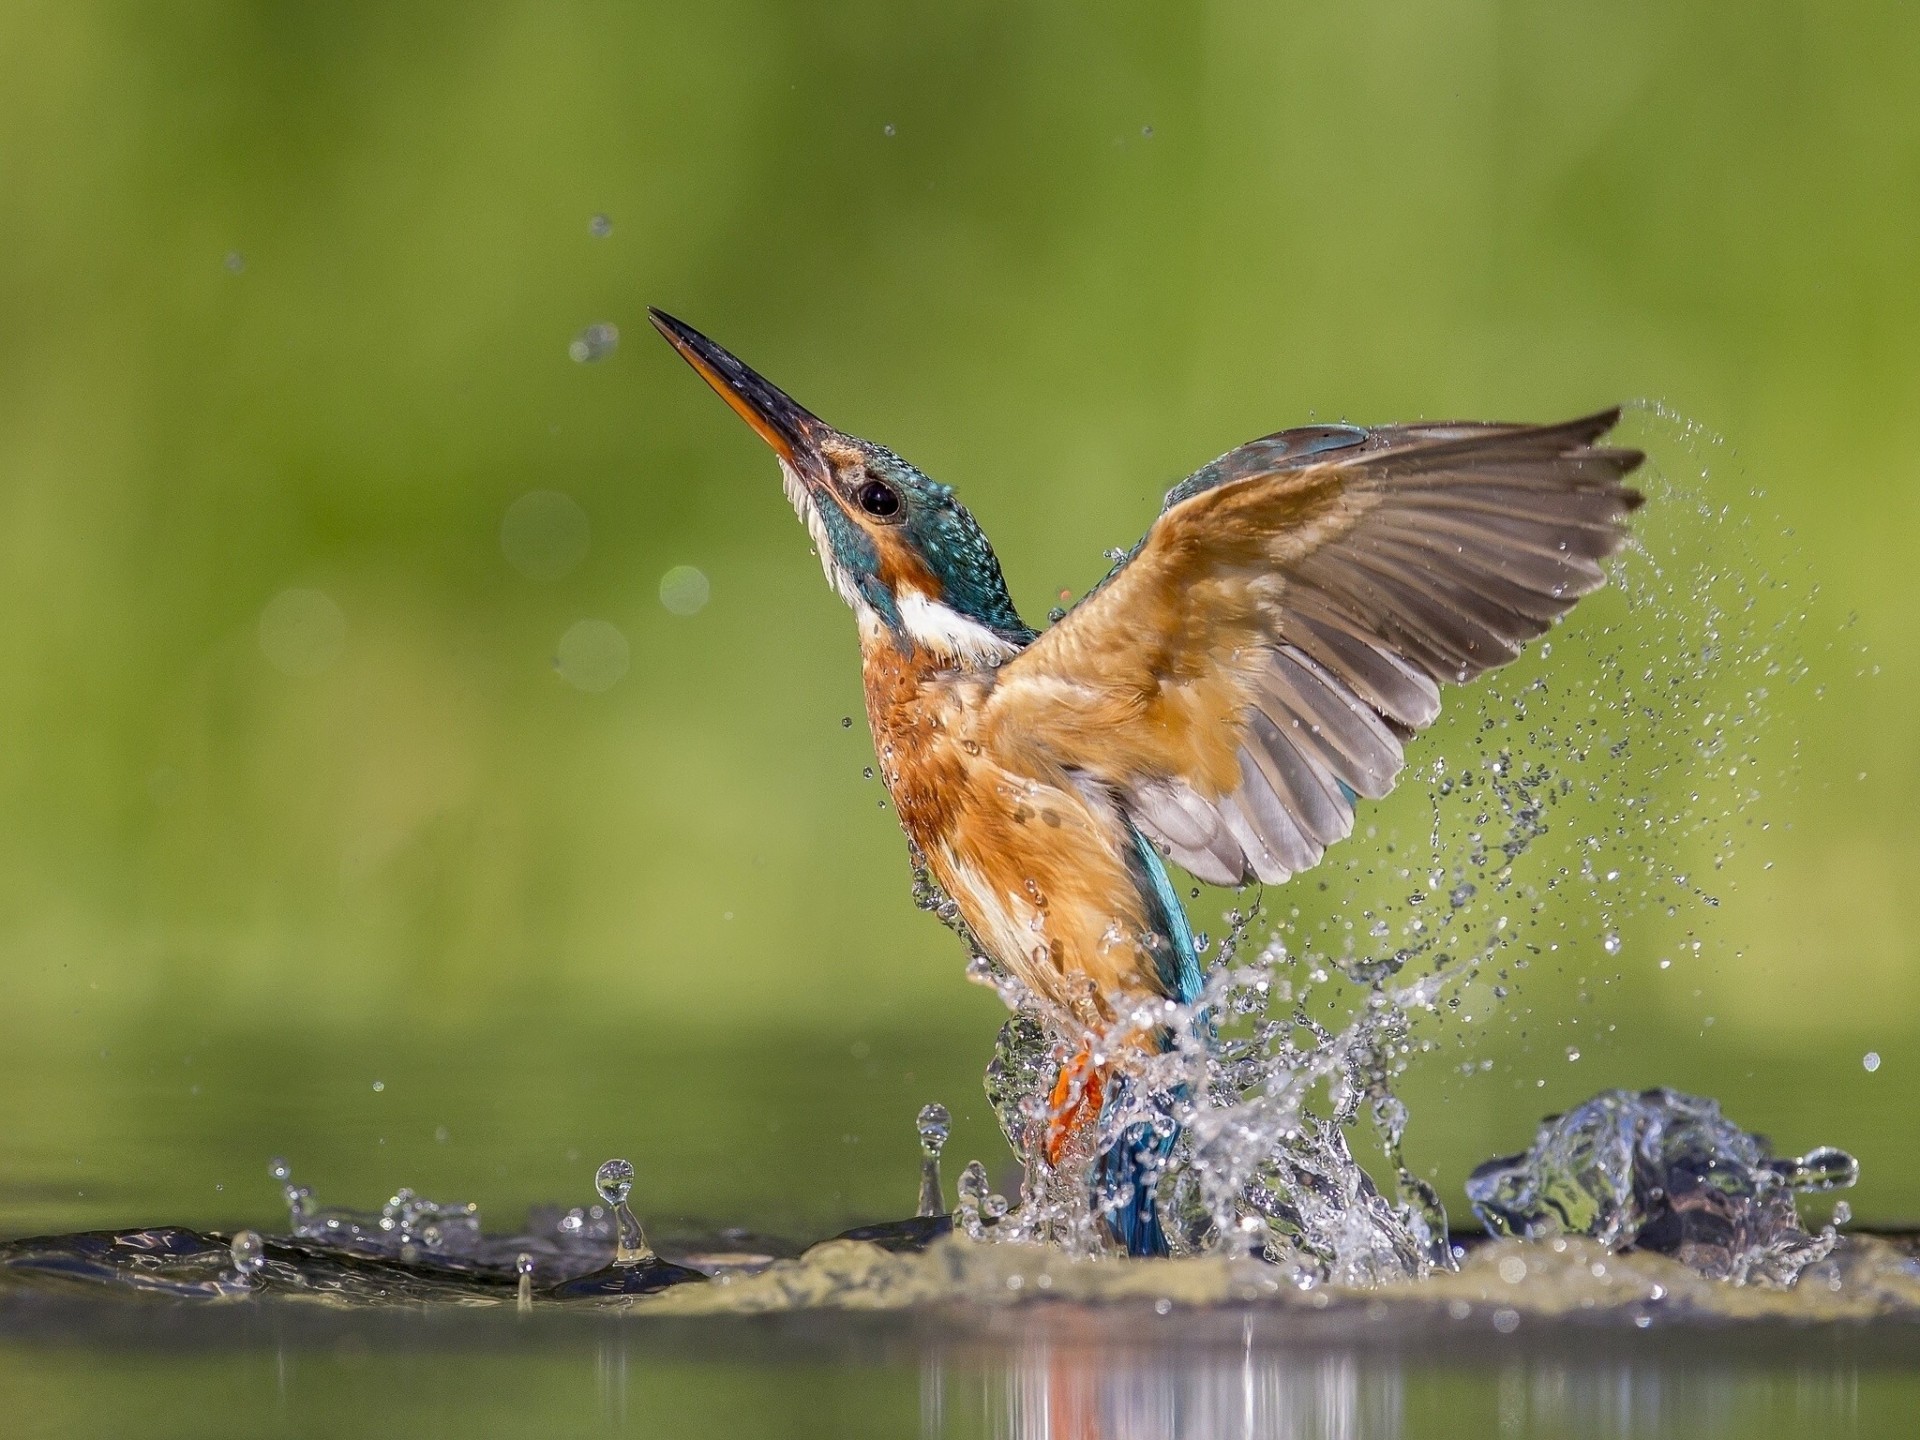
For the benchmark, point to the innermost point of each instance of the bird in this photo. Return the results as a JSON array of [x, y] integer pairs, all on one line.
[[1242, 680]]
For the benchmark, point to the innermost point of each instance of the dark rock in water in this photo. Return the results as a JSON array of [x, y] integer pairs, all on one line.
[[645, 1278], [1666, 1172], [902, 1236]]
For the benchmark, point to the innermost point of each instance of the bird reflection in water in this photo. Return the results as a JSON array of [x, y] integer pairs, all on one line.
[[1060, 1388]]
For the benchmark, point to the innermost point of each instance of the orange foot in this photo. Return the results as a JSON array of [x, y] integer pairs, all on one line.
[[1074, 1104]]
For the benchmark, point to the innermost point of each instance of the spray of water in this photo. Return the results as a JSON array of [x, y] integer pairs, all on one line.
[[1566, 798]]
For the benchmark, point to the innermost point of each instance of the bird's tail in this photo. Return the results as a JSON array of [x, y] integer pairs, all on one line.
[[1127, 1174]]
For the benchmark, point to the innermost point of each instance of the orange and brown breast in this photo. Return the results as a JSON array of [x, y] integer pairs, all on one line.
[[1037, 865]]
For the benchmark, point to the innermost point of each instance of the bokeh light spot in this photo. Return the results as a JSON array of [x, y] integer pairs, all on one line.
[[593, 655], [685, 590], [302, 632], [596, 342], [545, 534]]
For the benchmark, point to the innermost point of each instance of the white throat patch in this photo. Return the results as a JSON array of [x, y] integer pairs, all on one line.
[[947, 632]]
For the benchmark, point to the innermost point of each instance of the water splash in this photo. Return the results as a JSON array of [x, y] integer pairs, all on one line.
[[933, 1124], [1566, 808], [249, 1253], [405, 1225], [614, 1181], [1666, 1172]]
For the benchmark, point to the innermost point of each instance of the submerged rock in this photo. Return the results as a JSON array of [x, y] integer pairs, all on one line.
[[1662, 1171]]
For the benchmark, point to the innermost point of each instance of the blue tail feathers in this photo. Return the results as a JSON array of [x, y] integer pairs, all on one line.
[[1126, 1175]]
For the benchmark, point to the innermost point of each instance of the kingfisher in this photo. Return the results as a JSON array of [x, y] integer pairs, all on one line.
[[1221, 701]]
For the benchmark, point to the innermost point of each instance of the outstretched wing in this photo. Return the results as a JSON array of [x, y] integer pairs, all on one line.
[[1257, 663]]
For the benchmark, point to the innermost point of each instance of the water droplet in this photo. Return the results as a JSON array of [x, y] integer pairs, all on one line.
[[614, 1181], [249, 1253], [1506, 1321], [545, 534], [934, 1124], [302, 632], [378, 1086], [1460, 895], [684, 590], [1146, 132], [235, 262], [846, 722], [974, 1194], [887, 130], [279, 1170], [1572, 1054], [1611, 943], [594, 343], [592, 656], [1870, 1061], [1842, 1213], [1513, 1269], [600, 227]]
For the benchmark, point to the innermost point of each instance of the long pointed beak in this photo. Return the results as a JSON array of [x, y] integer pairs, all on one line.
[[789, 427]]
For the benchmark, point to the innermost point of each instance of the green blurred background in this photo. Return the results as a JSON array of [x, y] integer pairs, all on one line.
[[377, 876]]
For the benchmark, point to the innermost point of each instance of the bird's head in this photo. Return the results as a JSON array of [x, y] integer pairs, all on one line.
[[896, 544]]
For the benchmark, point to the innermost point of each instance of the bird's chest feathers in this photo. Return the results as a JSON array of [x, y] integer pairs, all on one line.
[[920, 713], [1037, 864]]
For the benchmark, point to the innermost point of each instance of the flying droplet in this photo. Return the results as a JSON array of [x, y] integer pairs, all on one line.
[[249, 1253], [592, 656], [1611, 942], [1871, 1061], [600, 227], [544, 534], [595, 343], [279, 1170], [523, 1267], [1842, 1213], [846, 722], [887, 130], [684, 590], [235, 262], [302, 632]]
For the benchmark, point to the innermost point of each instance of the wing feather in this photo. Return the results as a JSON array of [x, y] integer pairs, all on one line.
[[1258, 663]]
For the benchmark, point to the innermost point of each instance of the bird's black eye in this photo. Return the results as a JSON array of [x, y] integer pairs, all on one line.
[[879, 498]]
